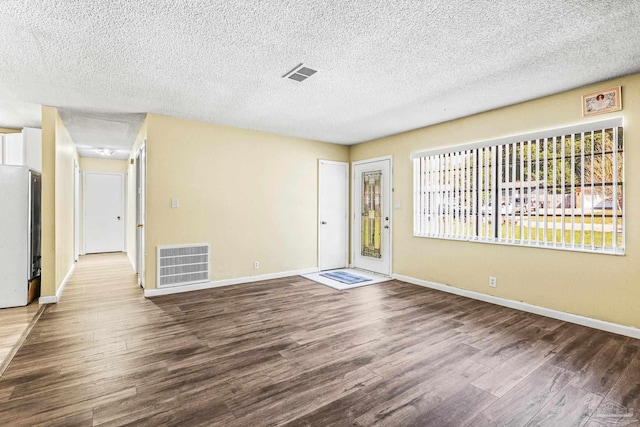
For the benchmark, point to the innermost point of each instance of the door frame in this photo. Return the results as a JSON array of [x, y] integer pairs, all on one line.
[[346, 205], [76, 210], [140, 208], [356, 199], [84, 207], [125, 201]]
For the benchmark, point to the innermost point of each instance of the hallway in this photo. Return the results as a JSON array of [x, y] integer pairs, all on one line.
[[87, 351]]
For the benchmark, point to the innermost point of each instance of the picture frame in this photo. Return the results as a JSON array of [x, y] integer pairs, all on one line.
[[601, 102]]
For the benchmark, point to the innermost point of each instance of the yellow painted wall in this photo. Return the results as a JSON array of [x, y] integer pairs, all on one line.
[[10, 130], [251, 195], [48, 262], [65, 155], [603, 287], [58, 155], [88, 164]]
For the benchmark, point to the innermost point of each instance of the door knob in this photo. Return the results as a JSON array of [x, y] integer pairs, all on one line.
[[323, 222], [140, 225], [118, 217], [386, 226]]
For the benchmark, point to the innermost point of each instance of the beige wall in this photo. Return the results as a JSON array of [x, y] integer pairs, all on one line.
[[603, 287], [58, 155], [65, 155], [88, 164], [251, 195], [10, 130], [48, 262]]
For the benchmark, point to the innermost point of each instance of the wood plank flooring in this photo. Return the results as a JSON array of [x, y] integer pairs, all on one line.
[[14, 323], [293, 352]]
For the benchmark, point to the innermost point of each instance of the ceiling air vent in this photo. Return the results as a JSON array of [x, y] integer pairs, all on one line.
[[300, 73]]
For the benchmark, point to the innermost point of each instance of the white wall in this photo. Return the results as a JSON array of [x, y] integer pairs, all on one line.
[[23, 149]]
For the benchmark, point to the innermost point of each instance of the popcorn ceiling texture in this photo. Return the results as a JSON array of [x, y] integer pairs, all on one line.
[[384, 66], [91, 131]]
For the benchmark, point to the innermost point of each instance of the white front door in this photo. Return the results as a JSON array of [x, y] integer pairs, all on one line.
[[103, 212], [333, 213], [372, 215]]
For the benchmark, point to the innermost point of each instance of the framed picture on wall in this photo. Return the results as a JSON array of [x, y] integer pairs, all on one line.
[[601, 102]]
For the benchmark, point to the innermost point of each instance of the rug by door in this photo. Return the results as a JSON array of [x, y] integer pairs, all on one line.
[[345, 277]]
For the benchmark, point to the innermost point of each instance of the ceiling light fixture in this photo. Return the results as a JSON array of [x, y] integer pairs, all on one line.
[[300, 73], [104, 151]]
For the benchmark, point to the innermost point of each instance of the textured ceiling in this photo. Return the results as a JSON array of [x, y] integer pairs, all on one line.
[[102, 131], [384, 67]]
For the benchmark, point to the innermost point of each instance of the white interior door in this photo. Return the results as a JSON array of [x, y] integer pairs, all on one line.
[[141, 162], [333, 212], [372, 215], [103, 212]]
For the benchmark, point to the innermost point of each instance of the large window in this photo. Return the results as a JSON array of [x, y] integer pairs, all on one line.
[[559, 189]]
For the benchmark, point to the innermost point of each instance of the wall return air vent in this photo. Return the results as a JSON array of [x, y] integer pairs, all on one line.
[[300, 73], [180, 265]]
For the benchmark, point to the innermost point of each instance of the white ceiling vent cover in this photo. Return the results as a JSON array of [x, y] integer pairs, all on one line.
[[180, 265]]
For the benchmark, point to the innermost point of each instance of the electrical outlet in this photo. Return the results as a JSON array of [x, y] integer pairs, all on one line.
[[256, 265], [492, 281]]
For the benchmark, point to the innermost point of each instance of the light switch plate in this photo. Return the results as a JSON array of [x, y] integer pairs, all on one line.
[[175, 203]]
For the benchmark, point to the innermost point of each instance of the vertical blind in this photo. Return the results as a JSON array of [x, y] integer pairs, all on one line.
[[560, 189]]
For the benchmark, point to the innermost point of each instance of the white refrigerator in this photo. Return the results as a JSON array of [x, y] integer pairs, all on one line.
[[20, 233]]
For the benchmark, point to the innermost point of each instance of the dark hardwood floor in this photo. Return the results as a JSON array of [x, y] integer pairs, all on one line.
[[293, 352]]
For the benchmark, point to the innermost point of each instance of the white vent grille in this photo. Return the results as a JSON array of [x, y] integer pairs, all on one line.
[[300, 73], [180, 265]]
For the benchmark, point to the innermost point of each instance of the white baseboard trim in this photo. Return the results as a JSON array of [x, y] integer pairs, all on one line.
[[48, 300], [226, 282], [529, 308], [55, 298]]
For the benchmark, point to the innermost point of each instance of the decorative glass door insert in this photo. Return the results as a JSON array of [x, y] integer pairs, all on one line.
[[372, 214]]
